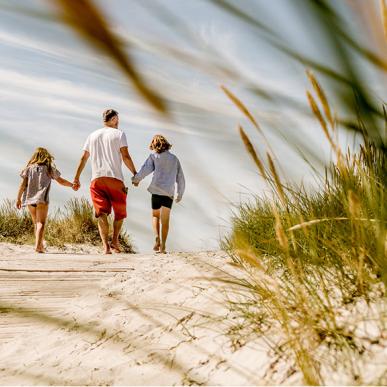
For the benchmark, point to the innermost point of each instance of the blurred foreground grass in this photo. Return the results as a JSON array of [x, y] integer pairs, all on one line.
[[74, 224]]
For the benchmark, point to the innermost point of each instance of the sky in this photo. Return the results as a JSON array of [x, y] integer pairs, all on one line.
[[54, 87]]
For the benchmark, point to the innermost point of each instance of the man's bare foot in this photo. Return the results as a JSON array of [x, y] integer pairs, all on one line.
[[40, 250], [156, 247], [116, 247]]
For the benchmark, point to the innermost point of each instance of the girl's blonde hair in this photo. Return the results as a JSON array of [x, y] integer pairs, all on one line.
[[42, 156], [159, 144]]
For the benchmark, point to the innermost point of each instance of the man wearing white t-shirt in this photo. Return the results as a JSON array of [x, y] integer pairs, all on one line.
[[107, 148]]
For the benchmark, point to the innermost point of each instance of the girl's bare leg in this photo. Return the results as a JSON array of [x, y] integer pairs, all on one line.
[[165, 213], [41, 217], [32, 211], [156, 228]]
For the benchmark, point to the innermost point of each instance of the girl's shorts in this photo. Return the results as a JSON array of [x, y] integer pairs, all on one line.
[[159, 201]]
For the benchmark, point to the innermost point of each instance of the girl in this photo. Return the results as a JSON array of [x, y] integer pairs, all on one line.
[[167, 171], [34, 190]]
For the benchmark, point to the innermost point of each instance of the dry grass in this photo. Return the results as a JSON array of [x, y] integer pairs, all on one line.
[[307, 256], [75, 224]]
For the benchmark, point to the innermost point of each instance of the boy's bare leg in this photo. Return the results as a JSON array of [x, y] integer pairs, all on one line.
[[156, 228], [103, 227], [165, 212], [117, 225], [41, 217]]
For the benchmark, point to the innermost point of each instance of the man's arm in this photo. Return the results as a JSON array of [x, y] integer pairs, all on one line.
[[81, 166], [127, 159]]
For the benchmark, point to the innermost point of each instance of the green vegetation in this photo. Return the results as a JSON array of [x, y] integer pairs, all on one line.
[[311, 256], [74, 224]]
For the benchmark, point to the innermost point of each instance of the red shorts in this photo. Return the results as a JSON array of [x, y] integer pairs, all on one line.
[[108, 192]]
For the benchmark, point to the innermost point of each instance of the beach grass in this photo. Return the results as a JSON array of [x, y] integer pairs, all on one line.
[[73, 224], [311, 257]]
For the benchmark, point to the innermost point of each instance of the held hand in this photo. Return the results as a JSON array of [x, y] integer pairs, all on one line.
[[18, 204], [76, 185], [178, 200]]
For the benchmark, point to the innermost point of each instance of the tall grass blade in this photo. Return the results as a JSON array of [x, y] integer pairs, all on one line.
[[383, 8], [86, 18], [251, 151], [323, 99], [277, 180], [241, 106]]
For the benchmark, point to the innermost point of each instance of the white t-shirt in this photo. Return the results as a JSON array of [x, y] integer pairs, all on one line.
[[104, 147]]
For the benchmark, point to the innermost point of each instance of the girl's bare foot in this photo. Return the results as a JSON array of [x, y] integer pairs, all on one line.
[[107, 249], [156, 247]]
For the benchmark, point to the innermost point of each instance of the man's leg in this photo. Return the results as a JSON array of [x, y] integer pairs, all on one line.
[[117, 225], [103, 227], [165, 213], [102, 206], [41, 217], [156, 228], [117, 193]]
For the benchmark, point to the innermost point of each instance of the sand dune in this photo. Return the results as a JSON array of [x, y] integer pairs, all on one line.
[[80, 318]]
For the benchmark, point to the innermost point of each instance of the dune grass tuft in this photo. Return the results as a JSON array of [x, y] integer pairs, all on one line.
[[74, 224], [310, 257]]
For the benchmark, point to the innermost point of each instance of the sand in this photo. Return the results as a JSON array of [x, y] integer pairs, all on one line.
[[76, 317]]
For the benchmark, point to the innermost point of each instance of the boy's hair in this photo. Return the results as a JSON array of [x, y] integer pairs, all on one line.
[[108, 114], [159, 144], [42, 156]]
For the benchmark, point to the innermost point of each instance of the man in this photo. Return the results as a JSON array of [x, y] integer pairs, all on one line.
[[107, 148]]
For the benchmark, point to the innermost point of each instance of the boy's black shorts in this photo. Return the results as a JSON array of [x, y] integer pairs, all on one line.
[[161, 200]]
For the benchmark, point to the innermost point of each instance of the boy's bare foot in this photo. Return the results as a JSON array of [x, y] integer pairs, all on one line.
[[156, 247], [162, 249], [40, 250]]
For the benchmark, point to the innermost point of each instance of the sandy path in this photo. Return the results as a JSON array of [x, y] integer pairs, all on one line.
[[125, 319]]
